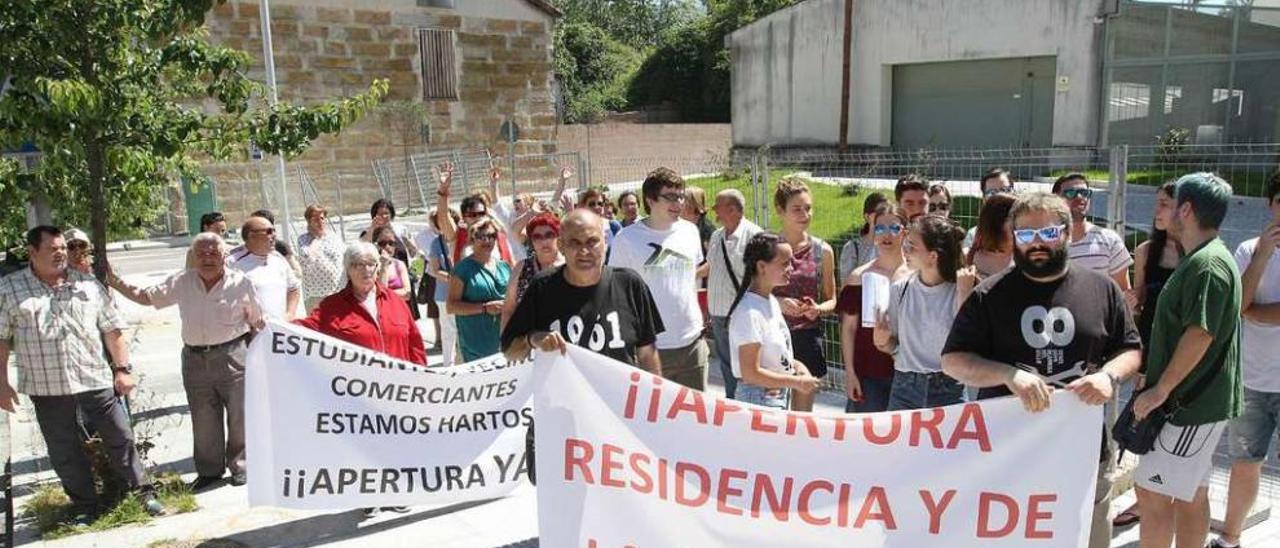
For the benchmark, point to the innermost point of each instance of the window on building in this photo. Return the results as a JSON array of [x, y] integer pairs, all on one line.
[[439, 64]]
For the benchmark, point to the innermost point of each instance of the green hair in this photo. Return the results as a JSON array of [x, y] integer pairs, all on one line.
[[1208, 195]]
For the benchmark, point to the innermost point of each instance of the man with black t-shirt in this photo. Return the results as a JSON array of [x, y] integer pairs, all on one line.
[[603, 309], [1076, 332]]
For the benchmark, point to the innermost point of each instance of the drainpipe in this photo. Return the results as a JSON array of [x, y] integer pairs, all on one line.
[[844, 82]]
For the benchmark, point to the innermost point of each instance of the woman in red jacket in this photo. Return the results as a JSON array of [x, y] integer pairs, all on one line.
[[366, 313]]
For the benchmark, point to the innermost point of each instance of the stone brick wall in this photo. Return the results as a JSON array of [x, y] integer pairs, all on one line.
[[330, 48]]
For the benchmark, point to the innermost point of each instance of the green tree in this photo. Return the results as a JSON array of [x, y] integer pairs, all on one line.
[[122, 96], [636, 23], [690, 67], [595, 70]]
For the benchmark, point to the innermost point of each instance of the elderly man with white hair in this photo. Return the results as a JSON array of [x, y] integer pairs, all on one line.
[[365, 312], [724, 256], [219, 308]]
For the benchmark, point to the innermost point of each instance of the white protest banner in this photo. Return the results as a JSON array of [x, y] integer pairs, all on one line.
[[330, 425], [626, 459]]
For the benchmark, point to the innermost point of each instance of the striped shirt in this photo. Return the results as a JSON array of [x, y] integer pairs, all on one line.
[[720, 290], [1100, 250], [56, 332]]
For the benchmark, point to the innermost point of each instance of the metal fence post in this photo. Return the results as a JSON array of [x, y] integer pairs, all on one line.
[[1119, 167]]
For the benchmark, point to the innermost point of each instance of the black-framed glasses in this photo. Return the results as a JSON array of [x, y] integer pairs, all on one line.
[[1078, 192], [486, 237], [940, 206], [673, 197]]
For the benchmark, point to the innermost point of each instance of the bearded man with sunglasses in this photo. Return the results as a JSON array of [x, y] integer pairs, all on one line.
[[1092, 246], [1075, 331]]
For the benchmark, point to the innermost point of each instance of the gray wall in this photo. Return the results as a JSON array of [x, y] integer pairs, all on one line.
[[787, 67]]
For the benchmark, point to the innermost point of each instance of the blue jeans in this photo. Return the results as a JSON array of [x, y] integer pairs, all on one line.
[[1249, 435], [777, 398], [924, 391], [720, 332], [875, 396]]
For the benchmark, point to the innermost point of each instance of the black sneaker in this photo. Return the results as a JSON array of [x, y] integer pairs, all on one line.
[[204, 482], [1217, 543], [238, 479]]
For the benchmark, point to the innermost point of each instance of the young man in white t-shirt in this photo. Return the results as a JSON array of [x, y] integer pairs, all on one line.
[[666, 251], [1092, 247], [1249, 436]]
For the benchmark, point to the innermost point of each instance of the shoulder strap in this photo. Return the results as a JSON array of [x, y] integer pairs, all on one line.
[[815, 248], [444, 254], [733, 276]]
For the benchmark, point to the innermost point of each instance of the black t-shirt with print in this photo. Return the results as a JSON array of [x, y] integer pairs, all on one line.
[[611, 318], [1061, 330]]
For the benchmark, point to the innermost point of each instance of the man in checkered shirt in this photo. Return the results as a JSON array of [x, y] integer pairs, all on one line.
[[55, 321]]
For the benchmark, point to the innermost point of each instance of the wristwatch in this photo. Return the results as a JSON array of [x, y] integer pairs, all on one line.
[[126, 369]]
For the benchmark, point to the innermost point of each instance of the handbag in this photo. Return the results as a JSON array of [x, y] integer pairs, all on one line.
[[1139, 436]]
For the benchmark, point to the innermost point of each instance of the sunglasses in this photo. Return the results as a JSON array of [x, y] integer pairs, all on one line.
[[673, 197], [881, 230], [1048, 234], [387, 243], [487, 237], [993, 191], [941, 206], [1073, 193]]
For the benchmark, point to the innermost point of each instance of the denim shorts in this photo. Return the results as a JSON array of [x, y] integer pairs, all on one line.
[[924, 390], [1251, 433], [777, 398]]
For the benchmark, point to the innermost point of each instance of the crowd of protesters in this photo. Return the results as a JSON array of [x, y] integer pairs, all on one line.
[[925, 313]]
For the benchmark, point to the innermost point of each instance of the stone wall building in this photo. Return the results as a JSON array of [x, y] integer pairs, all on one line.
[[471, 67]]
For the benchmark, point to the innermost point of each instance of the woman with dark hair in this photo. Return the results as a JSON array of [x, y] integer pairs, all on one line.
[[939, 200], [1155, 260], [761, 354], [861, 249], [382, 214], [811, 290], [629, 207], [392, 272], [868, 372], [992, 249], [544, 242], [920, 307]]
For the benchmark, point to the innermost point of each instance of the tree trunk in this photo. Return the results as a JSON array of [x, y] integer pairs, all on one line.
[[96, 158]]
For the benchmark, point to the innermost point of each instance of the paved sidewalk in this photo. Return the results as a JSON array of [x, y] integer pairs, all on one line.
[[224, 512]]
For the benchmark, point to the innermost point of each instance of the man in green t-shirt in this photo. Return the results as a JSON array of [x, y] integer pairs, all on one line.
[[1195, 335]]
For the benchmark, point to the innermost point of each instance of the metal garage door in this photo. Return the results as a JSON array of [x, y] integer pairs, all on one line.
[[974, 104]]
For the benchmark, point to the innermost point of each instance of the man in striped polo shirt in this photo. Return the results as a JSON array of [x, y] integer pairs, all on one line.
[[1092, 247]]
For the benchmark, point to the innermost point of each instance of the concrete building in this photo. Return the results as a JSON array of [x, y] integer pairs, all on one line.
[[1006, 73], [471, 64]]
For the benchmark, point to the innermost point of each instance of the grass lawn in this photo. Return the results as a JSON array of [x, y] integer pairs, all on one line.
[[47, 507], [1243, 182], [837, 212]]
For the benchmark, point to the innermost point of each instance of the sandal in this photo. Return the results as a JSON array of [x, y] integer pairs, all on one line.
[[1126, 518]]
